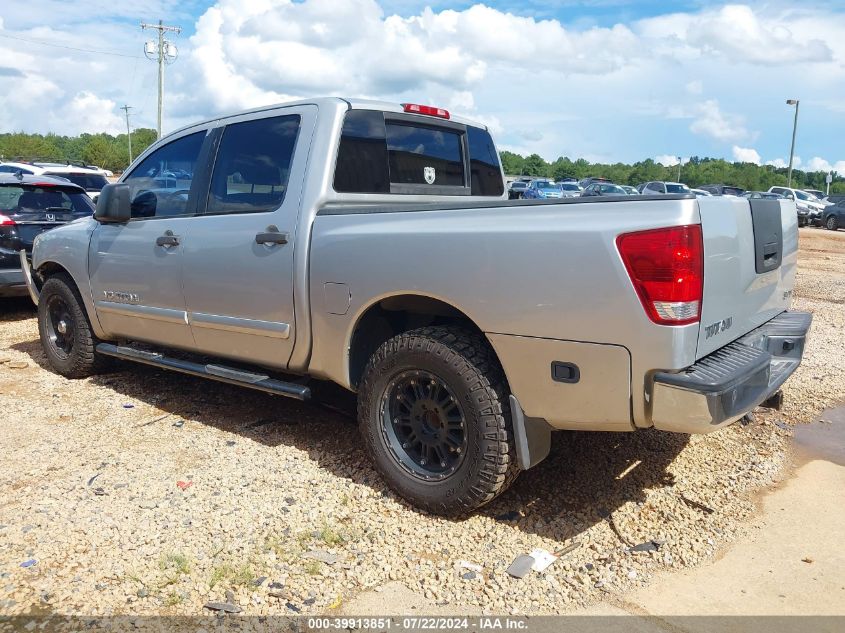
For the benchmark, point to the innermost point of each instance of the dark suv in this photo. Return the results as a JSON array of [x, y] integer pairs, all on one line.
[[833, 216], [30, 205]]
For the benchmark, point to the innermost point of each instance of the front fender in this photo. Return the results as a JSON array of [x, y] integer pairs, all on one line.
[[66, 247]]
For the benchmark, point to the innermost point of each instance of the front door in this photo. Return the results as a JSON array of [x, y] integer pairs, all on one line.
[[239, 256], [136, 268]]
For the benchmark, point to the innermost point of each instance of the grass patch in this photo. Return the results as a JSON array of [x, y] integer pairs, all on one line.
[[330, 536], [173, 599], [235, 576], [174, 565], [312, 567]]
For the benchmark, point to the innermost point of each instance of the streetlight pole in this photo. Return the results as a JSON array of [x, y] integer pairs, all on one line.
[[679, 169], [792, 147]]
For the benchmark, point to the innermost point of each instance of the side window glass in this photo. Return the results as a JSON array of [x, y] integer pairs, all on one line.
[[253, 165], [420, 155], [159, 186], [362, 154], [485, 173]]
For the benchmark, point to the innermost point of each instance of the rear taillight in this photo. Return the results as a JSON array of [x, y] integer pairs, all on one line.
[[666, 267], [5, 220]]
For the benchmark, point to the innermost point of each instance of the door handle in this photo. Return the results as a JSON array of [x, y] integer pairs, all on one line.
[[271, 235], [168, 239]]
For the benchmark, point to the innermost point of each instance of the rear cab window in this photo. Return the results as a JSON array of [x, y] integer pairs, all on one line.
[[391, 153]]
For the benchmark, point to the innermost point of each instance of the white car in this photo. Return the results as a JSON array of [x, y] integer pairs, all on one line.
[[809, 207], [657, 187], [700, 193]]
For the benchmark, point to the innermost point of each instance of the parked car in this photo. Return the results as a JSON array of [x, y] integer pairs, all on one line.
[[833, 216], [631, 191], [30, 205], [585, 182], [762, 195], [90, 179], [541, 189], [700, 193], [603, 189], [723, 190], [658, 187], [808, 207], [818, 194], [516, 189], [570, 189], [381, 253]]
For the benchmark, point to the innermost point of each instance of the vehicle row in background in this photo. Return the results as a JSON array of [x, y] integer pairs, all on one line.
[[91, 179]]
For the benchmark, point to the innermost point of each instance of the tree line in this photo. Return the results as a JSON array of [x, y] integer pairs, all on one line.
[[102, 150], [698, 171], [112, 152]]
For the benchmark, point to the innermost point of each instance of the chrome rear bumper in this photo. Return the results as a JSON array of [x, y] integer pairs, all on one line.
[[725, 385]]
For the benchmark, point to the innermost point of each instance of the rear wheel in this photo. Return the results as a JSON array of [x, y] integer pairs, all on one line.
[[432, 408], [832, 223], [66, 335]]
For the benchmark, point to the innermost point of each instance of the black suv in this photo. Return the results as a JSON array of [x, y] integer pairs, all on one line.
[[833, 217], [30, 205]]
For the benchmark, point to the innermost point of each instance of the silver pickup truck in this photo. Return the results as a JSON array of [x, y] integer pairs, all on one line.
[[373, 245]]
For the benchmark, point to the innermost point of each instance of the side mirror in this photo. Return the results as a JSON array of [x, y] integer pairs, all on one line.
[[113, 205]]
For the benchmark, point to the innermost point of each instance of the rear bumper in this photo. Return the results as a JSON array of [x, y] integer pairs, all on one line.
[[725, 385], [12, 283]]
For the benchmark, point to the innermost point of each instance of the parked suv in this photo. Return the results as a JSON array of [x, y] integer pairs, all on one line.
[[30, 205], [809, 207], [91, 179], [834, 216], [723, 190], [657, 187]]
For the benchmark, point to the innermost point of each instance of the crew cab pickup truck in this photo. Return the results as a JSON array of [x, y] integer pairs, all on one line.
[[373, 245]]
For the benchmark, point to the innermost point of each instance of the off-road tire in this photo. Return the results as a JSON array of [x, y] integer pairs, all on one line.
[[832, 223], [82, 360], [467, 366]]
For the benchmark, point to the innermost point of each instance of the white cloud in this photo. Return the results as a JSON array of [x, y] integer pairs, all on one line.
[[779, 163], [745, 155], [817, 163], [711, 121], [695, 87], [667, 160]]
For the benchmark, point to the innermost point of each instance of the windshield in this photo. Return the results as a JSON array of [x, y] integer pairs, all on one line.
[[546, 185], [570, 186], [680, 188], [519, 185], [89, 182], [612, 189], [20, 199], [801, 195]]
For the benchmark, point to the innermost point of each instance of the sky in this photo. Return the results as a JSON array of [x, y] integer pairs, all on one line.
[[605, 80]]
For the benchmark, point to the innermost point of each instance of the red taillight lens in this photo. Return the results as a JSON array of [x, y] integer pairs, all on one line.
[[414, 108], [666, 267], [5, 220]]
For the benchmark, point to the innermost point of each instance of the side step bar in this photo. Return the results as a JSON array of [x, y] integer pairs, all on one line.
[[213, 372]]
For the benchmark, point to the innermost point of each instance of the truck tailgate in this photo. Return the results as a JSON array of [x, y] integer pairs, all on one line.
[[750, 257]]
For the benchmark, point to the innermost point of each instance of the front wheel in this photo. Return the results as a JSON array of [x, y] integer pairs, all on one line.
[[832, 223], [66, 336], [433, 411]]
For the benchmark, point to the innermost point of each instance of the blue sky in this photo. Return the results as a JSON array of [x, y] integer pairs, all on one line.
[[611, 80]]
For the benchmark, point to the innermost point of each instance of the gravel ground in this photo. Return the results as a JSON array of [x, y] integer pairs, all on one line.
[[145, 492]]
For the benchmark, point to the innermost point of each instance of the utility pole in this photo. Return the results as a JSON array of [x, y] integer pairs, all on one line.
[[164, 52], [792, 147], [126, 109], [679, 168]]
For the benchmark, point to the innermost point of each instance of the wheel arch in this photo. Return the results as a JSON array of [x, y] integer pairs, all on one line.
[[386, 316], [51, 268]]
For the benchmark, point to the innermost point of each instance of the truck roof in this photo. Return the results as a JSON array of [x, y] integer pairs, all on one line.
[[351, 103]]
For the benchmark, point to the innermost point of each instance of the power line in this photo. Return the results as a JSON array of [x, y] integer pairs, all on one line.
[[70, 48]]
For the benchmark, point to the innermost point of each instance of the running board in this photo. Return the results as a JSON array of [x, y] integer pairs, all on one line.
[[213, 372]]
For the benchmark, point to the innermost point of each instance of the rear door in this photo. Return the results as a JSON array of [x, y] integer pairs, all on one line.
[[750, 258], [239, 255], [136, 268]]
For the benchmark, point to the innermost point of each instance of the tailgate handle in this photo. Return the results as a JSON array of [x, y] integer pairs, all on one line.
[[770, 255]]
